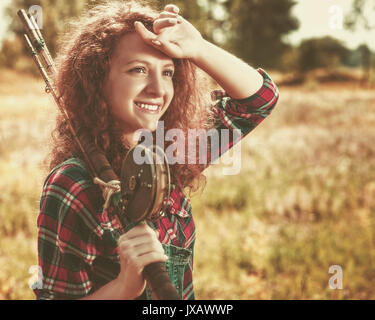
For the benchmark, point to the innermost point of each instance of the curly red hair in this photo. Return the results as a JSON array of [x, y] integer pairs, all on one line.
[[83, 64]]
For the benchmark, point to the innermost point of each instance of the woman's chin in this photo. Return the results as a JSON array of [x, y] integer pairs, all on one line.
[[150, 125]]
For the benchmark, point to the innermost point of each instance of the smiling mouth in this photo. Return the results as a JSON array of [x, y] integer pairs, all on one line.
[[148, 108]]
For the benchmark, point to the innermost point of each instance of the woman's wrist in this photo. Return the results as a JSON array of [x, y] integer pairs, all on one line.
[[113, 290], [123, 290], [199, 54]]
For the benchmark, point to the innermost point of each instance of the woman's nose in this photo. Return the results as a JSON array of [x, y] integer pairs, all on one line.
[[155, 86]]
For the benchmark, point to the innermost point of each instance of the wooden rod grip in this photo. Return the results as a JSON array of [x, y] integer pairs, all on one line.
[[159, 282]]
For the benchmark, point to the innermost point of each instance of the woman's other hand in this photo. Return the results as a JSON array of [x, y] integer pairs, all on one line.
[[137, 248]]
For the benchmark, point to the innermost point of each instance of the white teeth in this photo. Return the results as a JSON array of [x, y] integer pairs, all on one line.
[[148, 106]]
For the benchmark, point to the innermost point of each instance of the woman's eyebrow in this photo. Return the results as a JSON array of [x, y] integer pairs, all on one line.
[[167, 64]]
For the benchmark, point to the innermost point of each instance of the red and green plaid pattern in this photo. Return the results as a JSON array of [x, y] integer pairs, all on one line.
[[77, 241]]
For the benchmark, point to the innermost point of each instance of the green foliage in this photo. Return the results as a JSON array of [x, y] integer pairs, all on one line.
[[257, 28], [325, 52], [54, 15], [10, 52], [289, 59], [360, 15], [354, 58], [252, 30], [365, 53]]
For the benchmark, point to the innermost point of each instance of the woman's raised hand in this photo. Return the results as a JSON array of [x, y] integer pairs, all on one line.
[[173, 35]]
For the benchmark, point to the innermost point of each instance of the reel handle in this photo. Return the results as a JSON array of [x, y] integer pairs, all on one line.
[[159, 282]]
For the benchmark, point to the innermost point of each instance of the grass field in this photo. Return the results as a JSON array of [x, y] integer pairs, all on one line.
[[303, 201]]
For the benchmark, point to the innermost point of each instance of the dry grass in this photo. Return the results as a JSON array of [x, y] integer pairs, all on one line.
[[304, 200]]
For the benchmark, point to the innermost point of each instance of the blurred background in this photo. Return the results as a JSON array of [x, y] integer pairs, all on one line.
[[306, 198]]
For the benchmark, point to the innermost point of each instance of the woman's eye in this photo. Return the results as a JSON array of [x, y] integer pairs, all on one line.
[[138, 69], [169, 73]]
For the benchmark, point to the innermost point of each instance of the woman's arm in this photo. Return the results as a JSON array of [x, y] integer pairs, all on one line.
[[113, 290], [237, 78], [178, 38]]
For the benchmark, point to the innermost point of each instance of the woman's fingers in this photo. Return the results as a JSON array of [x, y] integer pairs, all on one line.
[[148, 36], [170, 15], [167, 18], [159, 24], [140, 243], [140, 230], [172, 8], [145, 34], [140, 247], [139, 262], [144, 248], [133, 253], [140, 239], [167, 14], [151, 38]]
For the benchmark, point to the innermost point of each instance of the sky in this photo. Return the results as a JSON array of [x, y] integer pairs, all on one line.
[[317, 18], [4, 21], [322, 17]]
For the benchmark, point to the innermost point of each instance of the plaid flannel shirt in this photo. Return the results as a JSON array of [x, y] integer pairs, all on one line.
[[77, 240]]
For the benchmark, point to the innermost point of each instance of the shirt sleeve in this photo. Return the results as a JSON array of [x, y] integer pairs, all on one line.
[[67, 229], [240, 116]]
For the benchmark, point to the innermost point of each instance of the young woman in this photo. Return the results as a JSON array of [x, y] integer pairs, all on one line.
[[125, 67]]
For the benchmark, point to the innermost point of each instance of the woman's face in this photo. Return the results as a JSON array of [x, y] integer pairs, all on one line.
[[139, 86]]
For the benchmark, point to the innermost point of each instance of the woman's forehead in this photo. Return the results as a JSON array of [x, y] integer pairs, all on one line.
[[131, 47]]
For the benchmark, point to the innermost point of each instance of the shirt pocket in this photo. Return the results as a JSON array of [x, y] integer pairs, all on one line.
[[178, 259]]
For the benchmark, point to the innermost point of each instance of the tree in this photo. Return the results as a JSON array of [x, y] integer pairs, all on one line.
[[54, 14], [10, 51], [359, 16], [325, 52], [365, 62], [257, 29], [251, 29]]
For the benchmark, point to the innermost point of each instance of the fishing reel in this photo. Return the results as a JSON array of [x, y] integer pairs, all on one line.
[[145, 189], [145, 184]]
